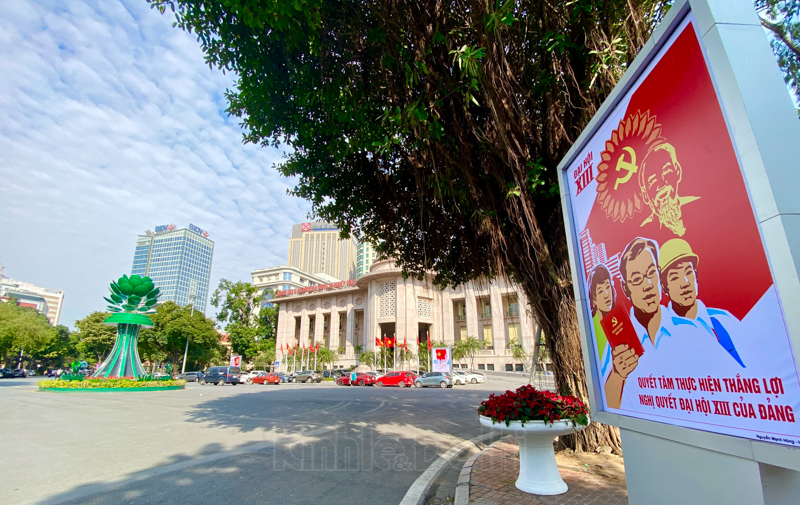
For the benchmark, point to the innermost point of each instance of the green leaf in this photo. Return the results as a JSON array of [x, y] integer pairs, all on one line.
[[421, 114]]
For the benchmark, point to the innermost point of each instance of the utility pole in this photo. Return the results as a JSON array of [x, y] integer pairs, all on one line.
[[192, 296]]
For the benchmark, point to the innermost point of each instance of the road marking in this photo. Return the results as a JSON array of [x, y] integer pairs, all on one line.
[[91, 489], [382, 404], [416, 493]]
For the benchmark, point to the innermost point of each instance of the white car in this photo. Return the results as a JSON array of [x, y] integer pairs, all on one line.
[[459, 378], [474, 377]]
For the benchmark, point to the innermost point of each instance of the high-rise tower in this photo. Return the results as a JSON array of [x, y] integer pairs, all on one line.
[[178, 261]]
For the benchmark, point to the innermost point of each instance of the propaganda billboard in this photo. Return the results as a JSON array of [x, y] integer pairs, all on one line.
[[442, 360], [684, 318]]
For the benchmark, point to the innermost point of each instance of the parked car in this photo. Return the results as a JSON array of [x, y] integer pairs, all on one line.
[[190, 376], [248, 376], [286, 377], [19, 373], [55, 372], [267, 378], [333, 374], [31, 373], [459, 377], [362, 379], [220, 375], [474, 377], [434, 379], [400, 379], [308, 376], [6, 373]]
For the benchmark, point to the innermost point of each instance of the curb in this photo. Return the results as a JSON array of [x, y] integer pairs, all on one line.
[[418, 491], [462, 488]]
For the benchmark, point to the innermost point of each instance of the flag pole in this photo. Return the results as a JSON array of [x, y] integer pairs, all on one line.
[[316, 351], [430, 351]]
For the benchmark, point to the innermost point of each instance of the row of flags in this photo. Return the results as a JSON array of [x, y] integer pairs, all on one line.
[[289, 350], [390, 342]]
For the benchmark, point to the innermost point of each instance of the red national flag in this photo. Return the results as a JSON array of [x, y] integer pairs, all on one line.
[[389, 342], [378, 342], [405, 343], [317, 346]]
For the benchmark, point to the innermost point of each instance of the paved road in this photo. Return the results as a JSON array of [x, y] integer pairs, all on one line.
[[287, 444]]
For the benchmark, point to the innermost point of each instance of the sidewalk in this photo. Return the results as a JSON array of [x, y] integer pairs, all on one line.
[[592, 479]]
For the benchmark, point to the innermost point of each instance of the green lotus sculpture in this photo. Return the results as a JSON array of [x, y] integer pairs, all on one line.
[[131, 298], [133, 294]]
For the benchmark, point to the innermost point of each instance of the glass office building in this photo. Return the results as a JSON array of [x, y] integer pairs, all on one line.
[[178, 261]]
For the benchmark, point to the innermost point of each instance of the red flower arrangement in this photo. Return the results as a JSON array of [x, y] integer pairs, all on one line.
[[529, 404]]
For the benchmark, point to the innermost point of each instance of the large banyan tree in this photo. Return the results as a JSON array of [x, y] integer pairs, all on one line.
[[433, 128]]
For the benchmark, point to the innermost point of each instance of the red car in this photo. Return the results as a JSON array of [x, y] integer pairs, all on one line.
[[401, 379], [269, 378], [362, 379]]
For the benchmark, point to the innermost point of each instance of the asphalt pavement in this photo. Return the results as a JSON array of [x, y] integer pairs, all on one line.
[[286, 444]]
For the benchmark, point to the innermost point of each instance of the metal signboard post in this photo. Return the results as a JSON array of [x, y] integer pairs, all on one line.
[[683, 222]]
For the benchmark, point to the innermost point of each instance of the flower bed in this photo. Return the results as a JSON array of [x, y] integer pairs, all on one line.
[[529, 404], [132, 384]]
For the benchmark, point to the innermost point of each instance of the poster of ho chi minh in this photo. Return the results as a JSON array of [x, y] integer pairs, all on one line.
[[685, 320]]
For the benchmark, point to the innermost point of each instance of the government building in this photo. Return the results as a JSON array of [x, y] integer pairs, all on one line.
[[348, 316]]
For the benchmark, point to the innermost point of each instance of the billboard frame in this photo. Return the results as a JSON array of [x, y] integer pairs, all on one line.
[[762, 122]]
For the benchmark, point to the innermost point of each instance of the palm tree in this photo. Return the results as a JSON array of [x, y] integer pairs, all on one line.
[[459, 353], [517, 351], [471, 347], [327, 357], [368, 358]]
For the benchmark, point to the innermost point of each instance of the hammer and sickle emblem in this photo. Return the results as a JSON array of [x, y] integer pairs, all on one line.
[[614, 321], [629, 167]]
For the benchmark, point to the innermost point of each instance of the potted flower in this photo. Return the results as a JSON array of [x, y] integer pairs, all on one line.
[[535, 418]]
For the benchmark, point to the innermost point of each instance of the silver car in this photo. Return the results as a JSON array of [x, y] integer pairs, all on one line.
[[434, 379]]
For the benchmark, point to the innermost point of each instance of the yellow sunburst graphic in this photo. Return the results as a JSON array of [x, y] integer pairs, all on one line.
[[617, 181]]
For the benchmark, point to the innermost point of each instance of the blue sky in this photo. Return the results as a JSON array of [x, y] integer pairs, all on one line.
[[111, 124]]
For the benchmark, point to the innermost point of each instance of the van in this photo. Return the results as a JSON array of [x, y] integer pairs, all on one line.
[[220, 375]]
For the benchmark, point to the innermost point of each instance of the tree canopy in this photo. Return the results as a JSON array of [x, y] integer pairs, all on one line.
[[172, 326], [95, 339], [23, 329], [433, 129], [251, 323]]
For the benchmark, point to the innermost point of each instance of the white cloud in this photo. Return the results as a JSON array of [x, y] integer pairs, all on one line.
[[111, 124]]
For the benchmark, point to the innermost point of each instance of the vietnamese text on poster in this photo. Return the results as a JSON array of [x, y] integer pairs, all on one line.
[[686, 323]]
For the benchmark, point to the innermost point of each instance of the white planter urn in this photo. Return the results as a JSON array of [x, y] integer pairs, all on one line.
[[538, 472]]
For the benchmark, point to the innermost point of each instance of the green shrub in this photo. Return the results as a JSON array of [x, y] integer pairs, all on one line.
[[108, 383], [331, 379]]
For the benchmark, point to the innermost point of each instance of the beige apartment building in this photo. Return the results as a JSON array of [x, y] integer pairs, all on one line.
[[349, 316], [316, 248], [53, 298]]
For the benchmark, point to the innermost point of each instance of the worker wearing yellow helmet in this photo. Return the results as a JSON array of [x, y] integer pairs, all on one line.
[[677, 264]]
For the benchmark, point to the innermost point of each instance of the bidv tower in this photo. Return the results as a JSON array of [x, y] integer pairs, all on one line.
[[178, 260]]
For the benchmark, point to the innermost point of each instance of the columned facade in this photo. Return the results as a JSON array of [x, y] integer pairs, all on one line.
[[349, 319]]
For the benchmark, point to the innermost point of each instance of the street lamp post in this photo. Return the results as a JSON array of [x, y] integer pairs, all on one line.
[[192, 296]]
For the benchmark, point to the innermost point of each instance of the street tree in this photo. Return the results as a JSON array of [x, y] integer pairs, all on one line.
[[172, 326], [782, 19], [518, 353], [326, 358], [369, 358], [249, 321], [436, 137], [61, 350], [23, 331], [95, 339]]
